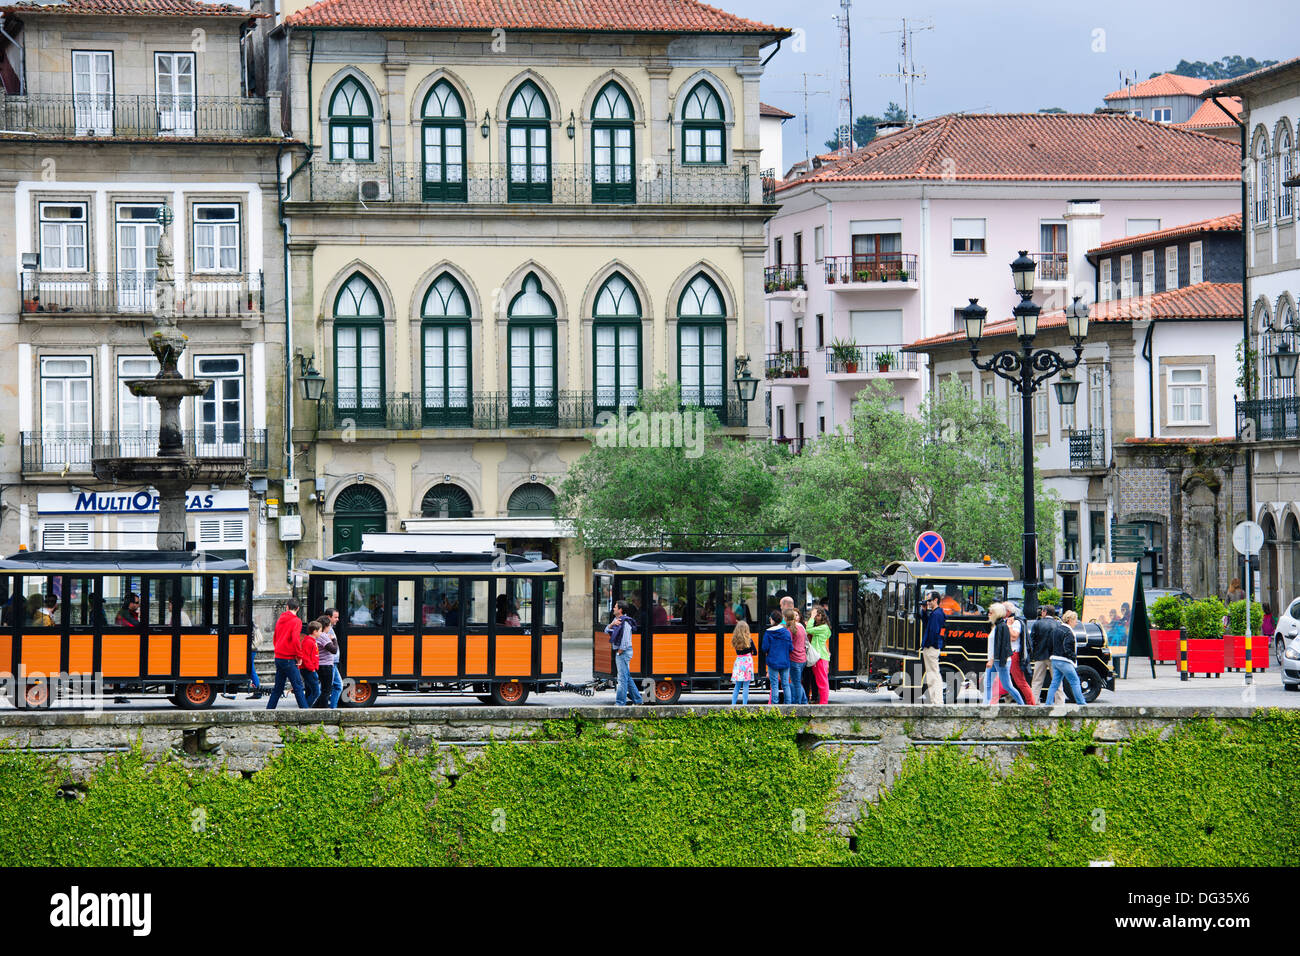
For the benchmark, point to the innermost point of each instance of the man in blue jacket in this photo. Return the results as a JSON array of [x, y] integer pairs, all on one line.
[[620, 638], [931, 645], [777, 645]]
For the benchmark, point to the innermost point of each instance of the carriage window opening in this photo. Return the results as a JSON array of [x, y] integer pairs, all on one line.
[[848, 595], [740, 602], [478, 605], [6, 606], [629, 590], [668, 602], [77, 593], [329, 597], [158, 611], [192, 602], [550, 602], [40, 603], [709, 607], [121, 599], [815, 591], [440, 602], [405, 610], [365, 602], [908, 606], [513, 606], [241, 611], [604, 602]]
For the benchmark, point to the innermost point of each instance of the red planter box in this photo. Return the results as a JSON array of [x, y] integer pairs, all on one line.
[[1234, 652], [1166, 643], [1205, 656]]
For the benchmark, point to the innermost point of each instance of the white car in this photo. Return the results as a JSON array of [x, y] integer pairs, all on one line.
[[1286, 630]]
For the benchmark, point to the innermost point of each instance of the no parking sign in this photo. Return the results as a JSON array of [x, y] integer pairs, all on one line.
[[929, 546]]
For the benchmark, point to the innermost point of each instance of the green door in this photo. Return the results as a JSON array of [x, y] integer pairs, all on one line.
[[357, 510]]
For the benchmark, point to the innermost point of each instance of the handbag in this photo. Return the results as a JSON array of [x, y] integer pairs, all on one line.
[[812, 656]]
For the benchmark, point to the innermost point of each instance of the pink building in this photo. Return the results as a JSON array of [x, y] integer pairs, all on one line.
[[879, 249]]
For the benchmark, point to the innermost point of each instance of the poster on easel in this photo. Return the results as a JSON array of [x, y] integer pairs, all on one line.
[[1113, 600]]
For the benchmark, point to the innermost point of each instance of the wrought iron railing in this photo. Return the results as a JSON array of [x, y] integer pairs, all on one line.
[[560, 184], [783, 278], [73, 451], [877, 267], [788, 364], [871, 359], [1268, 419], [768, 176], [482, 411], [199, 295], [106, 114], [1052, 266], [1088, 451]]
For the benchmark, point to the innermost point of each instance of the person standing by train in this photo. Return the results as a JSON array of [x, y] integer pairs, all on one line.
[[288, 647], [776, 648], [819, 637], [330, 620], [1040, 653], [620, 638], [327, 646], [798, 652], [999, 654], [309, 655], [932, 646], [1063, 658], [742, 671], [1018, 627]]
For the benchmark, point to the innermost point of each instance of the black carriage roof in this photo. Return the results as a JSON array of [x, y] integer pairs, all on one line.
[[725, 562], [428, 562], [952, 571], [125, 562]]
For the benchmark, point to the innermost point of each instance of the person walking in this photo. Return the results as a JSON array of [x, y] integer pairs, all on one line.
[[336, 683], [1040, 653], [288, 646], [1063, 659], [310, 666], [1018, 628], [999, 654], [328, 646], [819, 636], [798, 653], [742, 671], [932, 647], [620, 637], [776, 648]]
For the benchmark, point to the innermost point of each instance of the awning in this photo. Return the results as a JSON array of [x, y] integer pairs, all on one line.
[[501, 527]]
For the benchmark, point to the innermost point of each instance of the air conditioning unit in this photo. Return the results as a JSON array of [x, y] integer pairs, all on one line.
[[373, 190]]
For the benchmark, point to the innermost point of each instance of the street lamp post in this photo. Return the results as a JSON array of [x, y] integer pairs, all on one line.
[[1026, 369]]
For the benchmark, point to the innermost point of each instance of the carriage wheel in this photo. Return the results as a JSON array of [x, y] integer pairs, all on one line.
[[667, 691], [361, 694], [195, 697], [509, 694], [36, 696]]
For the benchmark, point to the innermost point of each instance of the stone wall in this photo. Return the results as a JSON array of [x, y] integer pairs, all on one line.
[[873, 741]]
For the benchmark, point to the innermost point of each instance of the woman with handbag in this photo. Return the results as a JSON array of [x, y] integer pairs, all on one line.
[[819, 655]]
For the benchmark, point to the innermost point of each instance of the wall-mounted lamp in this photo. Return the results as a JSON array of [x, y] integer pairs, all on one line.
[[486, 128], [313, 382], [570, 128]]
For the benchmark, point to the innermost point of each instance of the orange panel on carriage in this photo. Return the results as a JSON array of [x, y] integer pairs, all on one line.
[[706, 653], [514, 655], [81, 654], [476, 649], [160, 653], [237, 655], [365, 656], [402, 656], [551, 653], [120, 655], [41, 654], [438, 655], [198, 655], [6, 653], [844, 653], [670, 654], [602, 656]]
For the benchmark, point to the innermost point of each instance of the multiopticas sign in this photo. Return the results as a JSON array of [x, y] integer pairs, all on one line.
[[136, 502]]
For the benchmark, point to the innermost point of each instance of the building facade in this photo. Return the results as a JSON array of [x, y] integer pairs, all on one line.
[[498, 232], [110, 111]]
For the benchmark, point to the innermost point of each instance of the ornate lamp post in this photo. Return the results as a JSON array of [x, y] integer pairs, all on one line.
[[1026, 369]]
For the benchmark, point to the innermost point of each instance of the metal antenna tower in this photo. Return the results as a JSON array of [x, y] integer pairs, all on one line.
[[907, 71], [805, 93], [846, 80]]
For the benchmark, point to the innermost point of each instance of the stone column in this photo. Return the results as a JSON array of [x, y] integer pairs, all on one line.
[[660, 122], [396, 120]]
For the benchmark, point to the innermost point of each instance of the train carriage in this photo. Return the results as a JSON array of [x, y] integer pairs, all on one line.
[[686, 605], [442, 622], [965, 591], [175, 623]]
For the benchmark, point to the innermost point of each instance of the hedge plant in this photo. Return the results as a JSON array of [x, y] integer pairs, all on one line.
[[1204, 619], [1237, 618], [1050, 596], [1167, 613]]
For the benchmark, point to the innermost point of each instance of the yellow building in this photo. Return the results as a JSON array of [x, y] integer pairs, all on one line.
[[499, 230]]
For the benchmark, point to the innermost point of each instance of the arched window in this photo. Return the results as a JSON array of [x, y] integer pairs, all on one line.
[[531, 501], [445, 343], [1278, 332], [701, 344], [444, 144], [359, 351], [532, 373], [1284, 162], [616, 344], [528, 133], [446, 501], [358, 509], [1261, 180], [612, 152], [351, 122], [704, 132]]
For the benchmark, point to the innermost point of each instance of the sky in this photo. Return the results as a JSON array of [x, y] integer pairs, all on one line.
[[1002, 57]]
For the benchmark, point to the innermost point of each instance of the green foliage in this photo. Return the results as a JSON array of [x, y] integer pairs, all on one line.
[[1167, 613], [1050, 596], [1210, 794], [1237, 618], [1224, 69], [1078, 603], [1204, 619], [864, 127], [1245, 381]]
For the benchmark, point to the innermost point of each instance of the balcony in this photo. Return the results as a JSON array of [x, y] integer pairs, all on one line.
[[566, 185], [1088, 451], [787, 278], [793, 445], [878, 270], [768, 176], [1269, 419], [482, 411], [135, 117], [1052, 266], [786, 368], [198, 295], [861, 362], [64, 452]]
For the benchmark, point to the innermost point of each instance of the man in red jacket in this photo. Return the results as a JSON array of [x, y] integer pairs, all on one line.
[[288, 651]]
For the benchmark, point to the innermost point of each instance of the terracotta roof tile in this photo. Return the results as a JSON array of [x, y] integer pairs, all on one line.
[[1209, 116], [1205, 300], [765, 110], [1166, 84], [1069, 147], [641, 16], [131, 8], [1228, 223]]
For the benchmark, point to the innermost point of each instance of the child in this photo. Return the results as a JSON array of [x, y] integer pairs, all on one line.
[[742, 672], [310, 656]]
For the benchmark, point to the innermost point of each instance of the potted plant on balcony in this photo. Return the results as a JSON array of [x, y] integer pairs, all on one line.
[[884, 360], [769, 286], [830, 275], [902, 275], [771, 373], [862, 275], [803, 371], [846, 355]]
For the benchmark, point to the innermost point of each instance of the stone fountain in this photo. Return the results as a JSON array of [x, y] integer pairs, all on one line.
[[176, 467]]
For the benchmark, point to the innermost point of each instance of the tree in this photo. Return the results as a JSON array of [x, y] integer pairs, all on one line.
[[864, 128], [1052, 109], [1224, 69], [625, 492], [954, 468]]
